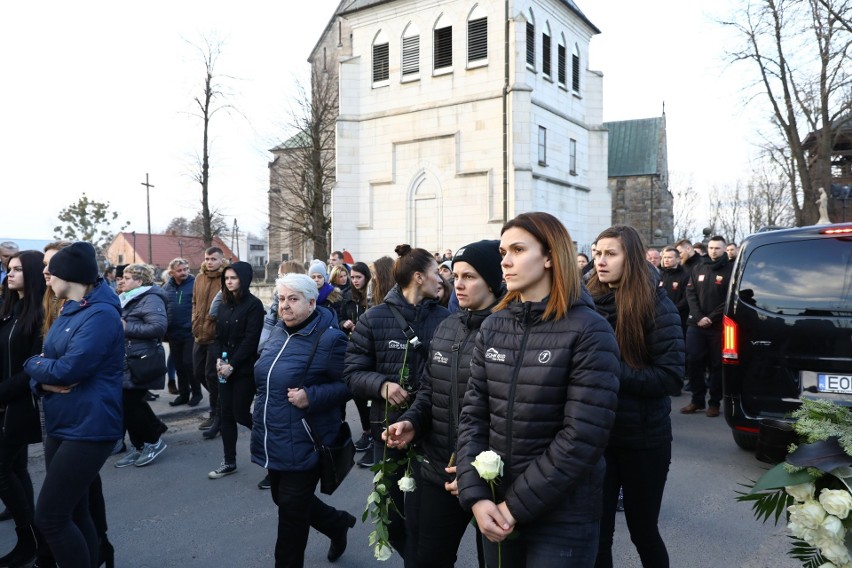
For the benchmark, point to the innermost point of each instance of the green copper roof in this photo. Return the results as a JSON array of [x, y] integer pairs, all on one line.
[[634, 146]]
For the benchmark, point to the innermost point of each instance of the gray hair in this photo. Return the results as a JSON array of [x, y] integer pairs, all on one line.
[[9, 247], [178, 262], [300, 283]]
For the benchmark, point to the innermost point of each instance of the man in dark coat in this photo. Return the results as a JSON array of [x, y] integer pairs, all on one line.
[[179, 335]]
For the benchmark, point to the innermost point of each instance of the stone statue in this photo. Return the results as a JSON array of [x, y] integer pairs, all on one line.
[[823, 208]]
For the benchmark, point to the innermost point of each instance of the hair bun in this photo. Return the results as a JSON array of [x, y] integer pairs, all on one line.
[[402, 250]]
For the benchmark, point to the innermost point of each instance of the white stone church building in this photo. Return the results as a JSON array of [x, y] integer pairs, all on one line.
[[442, 135]]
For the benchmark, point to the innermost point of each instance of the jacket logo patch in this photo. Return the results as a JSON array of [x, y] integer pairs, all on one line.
[[719, 279], [493, 355], [394, 344], [544, 357], [701, 278], [674, 285], [439, 358]]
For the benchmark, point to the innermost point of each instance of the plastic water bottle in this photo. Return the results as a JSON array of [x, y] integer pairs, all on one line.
[[222, 379]]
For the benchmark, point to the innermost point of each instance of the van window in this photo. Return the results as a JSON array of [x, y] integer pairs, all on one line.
[[800, 278]]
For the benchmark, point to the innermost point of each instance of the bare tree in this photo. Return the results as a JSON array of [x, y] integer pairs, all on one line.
[[727, 209], [684, 205], [800, 49], [303, 173]]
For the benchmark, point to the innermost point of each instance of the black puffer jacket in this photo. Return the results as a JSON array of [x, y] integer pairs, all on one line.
[[145, 324], [543, 395], [435, 411], [20, 418], [238, 325], [377, 347], [707, 290], [674, 281], [644, 406]]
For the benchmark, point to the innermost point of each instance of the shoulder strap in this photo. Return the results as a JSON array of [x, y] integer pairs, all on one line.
[[407, 330], [314, 346]]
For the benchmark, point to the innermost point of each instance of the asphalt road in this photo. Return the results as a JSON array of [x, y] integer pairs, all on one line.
[[169, 514]]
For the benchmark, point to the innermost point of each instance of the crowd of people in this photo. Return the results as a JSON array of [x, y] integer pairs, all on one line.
[[562, 363]]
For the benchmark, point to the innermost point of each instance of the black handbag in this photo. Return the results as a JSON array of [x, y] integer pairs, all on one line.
[[146, 367], [336, 459]]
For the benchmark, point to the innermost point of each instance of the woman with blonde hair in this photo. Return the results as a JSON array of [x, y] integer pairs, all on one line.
[[542, 394], [382, 279]]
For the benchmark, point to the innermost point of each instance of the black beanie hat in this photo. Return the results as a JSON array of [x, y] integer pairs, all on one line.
[[75, 263], [484, 256]]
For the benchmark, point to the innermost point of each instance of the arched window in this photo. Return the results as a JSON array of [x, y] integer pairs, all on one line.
[[477, 35], [530, 40], [561, 65], [381, 58], [410, 51], [442, 52], [575, 69], [545, 51]]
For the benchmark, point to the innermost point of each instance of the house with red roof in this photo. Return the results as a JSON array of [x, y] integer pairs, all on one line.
[[128, 248]]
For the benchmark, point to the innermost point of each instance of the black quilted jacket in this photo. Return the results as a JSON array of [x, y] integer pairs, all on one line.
[[543, 395], [435, 412], [377, 347]]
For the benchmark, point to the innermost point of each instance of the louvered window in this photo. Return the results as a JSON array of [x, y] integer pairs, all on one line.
[[542, 145], [410, 55], [443, 47], [545, 54], [560, 64], [575, 71], [477, 39], [530, 44], [381, 68], [572, 156]]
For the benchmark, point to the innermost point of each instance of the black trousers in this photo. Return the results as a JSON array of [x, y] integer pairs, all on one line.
[[703, 350], [62, 512], [235, 398], [363, 412], [16, 487], [204, 366], [299, 509], [139, 420], [642, 475], [181, 353], [442, 526]]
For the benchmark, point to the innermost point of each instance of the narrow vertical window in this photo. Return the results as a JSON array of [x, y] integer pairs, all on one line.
[[381, 68], [410, 55], [572, 156], [443, 50], [531, 44], [545, 54], [542, 146], [575, 70], [560, 65], [477, 39]]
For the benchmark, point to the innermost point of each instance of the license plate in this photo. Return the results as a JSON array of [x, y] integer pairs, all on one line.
[[834, 383]]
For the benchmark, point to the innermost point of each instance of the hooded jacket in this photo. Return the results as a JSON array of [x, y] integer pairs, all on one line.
[[238, 325], [707, 290], [377, 348], [543, 395], [435, 411], [207, 284], [279, 440], [145, 324], [20, 420], [85, 348], [179, 308], [644, 394]]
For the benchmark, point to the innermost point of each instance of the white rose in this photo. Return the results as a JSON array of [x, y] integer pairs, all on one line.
[[489, 465], [809, 514], [827, 565], [382, 552], [802, 492], [836, 502], [406, 484], [836, 552], [832, 528]]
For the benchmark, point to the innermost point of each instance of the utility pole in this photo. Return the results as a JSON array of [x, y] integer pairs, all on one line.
[[148, 186]]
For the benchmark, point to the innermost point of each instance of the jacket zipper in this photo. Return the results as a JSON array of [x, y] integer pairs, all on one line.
[[266, 402], [9, 361], [512, 387]]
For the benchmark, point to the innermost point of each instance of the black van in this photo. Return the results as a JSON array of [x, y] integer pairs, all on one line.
[[787, 326]]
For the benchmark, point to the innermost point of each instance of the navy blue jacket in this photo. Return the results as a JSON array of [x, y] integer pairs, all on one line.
[[279, 440], [84, 347], [145, 323], [179, 308]]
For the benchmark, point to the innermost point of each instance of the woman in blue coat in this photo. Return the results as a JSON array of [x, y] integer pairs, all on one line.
[[79, 375], [299, 380]]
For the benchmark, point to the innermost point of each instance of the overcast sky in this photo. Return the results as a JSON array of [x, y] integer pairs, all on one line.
[[97, 94]]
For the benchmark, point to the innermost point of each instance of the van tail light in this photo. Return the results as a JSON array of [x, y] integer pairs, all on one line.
[[730, 342], [837, 231]]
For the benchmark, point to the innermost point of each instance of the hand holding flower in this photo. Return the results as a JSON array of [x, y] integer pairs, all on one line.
[[491, 521], [394, 394], [399, 434], [452, 487]]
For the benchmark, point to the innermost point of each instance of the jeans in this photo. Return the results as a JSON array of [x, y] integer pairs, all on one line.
[[235, 398], [16, 487], [641, 473], [204, 367], [299, 509], [442, 526], [181, 353], [704, 349], [139, 420], [62, 513], [547, 544]]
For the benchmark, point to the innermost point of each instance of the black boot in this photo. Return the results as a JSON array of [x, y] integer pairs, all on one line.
[[213, 431], [24, 553], [106, 556], [338, 541]]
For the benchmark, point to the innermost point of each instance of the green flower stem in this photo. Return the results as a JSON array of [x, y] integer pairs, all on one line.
[[499, 544]]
